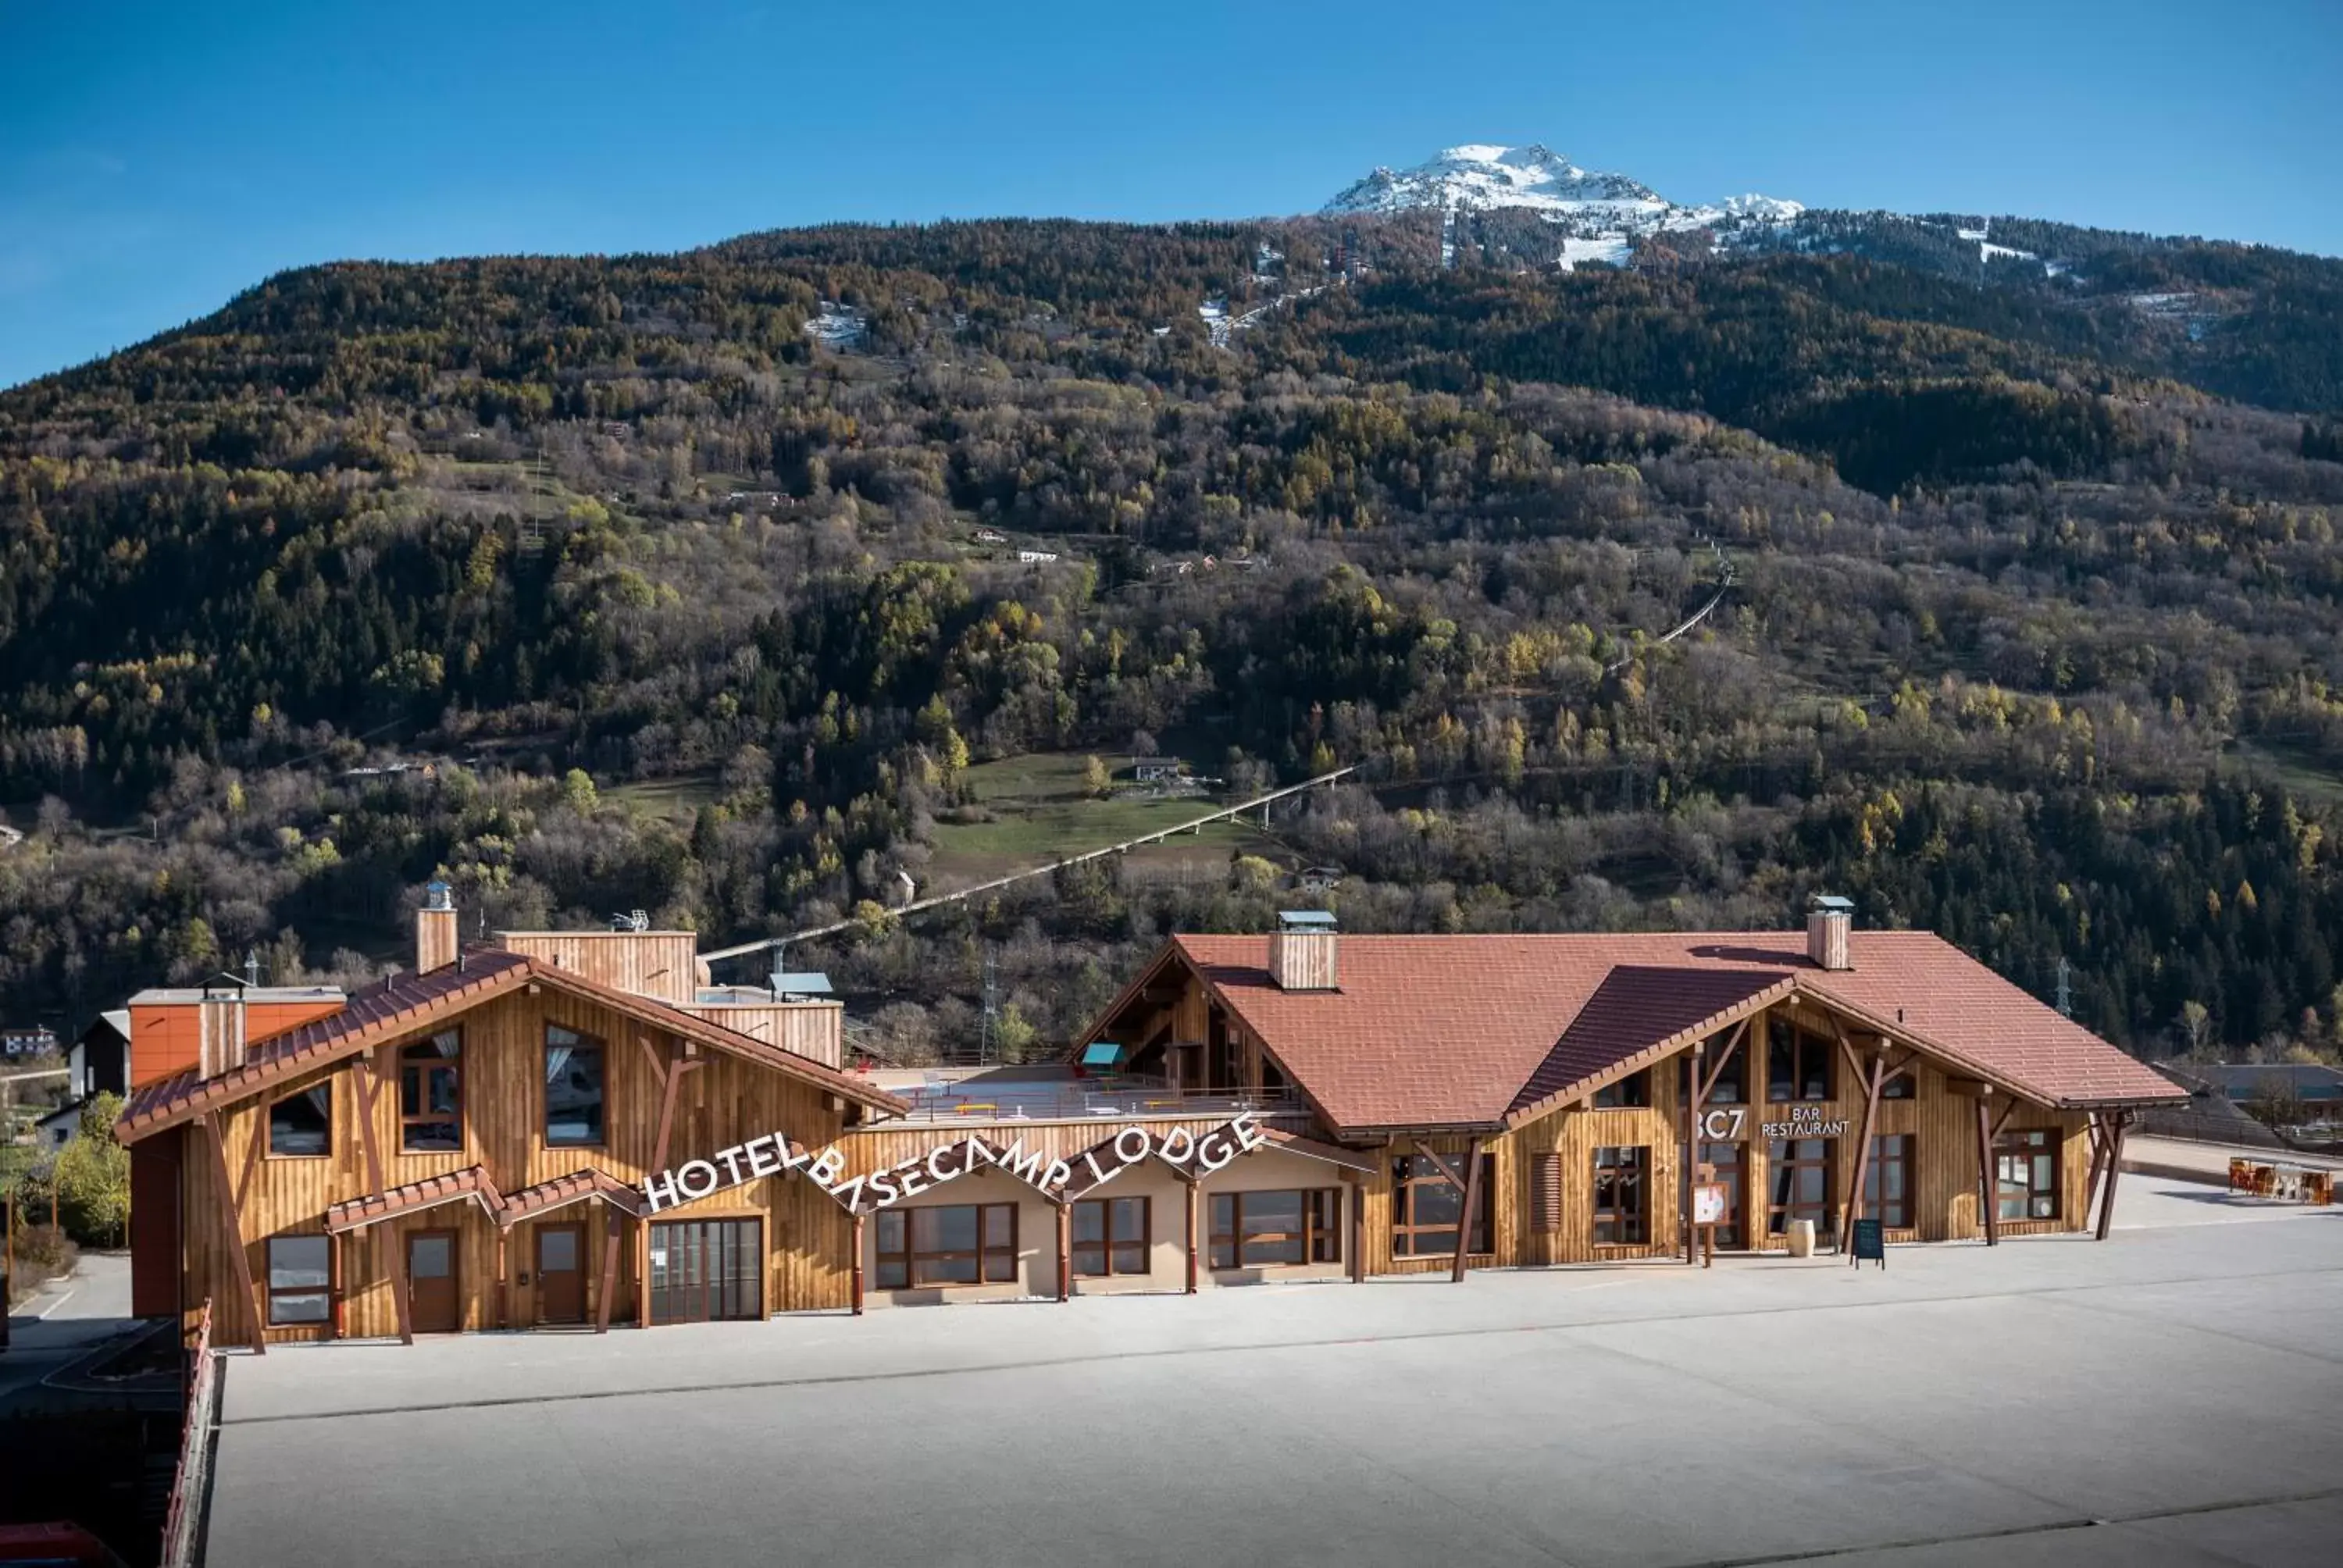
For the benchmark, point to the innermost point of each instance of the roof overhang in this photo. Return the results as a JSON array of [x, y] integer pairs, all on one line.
[[171, 1101]]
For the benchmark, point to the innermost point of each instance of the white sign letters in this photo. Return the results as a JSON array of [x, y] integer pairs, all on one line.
[[1805, 1121], [1724, 1123], [773, 1154]]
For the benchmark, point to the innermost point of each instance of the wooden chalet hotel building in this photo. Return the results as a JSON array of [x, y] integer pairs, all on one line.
[[575, 1129]]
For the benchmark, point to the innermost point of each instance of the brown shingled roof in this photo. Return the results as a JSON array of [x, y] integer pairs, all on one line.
[[406, 1004], [1432, 1032], [563, 1190], [473, 1181]]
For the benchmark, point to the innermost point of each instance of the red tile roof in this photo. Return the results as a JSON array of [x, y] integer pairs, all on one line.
[[1430, 1031], [407, 1004], [564, 1190], [473, 1181]]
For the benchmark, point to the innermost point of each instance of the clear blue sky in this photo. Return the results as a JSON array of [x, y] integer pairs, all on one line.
[[157, 159]]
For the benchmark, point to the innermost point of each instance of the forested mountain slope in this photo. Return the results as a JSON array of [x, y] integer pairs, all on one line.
[[2033, 636]]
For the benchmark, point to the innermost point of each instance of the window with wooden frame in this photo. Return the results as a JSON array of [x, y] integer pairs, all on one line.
[[301, 1125], [1426, 1207], [1622, 1196], [947, 1245], [1902, 1086], [1251, 1230], [300, 1280], [1732, 1086], [1888, 1181], [1635, 1088], [2026, 1175], [574, 1109], [431, 1094], [1798, 1173], [1110, 1237], [1797, 1061]]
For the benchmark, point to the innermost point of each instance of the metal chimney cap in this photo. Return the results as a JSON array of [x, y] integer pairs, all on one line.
[[1305, 919], [1833, 904], [438, 895]]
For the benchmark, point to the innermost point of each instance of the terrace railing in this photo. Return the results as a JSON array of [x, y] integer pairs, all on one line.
[[963, 1101], [183, 1526]]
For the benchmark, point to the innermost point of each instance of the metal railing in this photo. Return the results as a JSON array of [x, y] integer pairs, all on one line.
[[965, 1102], [183, 1525]]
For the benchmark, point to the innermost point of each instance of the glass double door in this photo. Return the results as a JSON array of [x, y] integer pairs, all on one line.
[[703, 1270]]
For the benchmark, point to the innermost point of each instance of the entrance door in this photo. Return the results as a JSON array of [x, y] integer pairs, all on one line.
[[433, 1302], [561, 1281], [707, 1269], [1732, 1162]]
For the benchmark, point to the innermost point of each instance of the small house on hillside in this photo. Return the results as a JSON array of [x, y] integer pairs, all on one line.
[[1157, 769]]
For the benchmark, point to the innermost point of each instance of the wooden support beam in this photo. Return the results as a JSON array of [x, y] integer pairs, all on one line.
[[1690, 1156], [1195, 1221], [1471, 1203], [2114, 1168], [1732, 1044], [366, 1093], [855, 1277], [231, 1216], [1873, 1083], [2002, 1121], [659, 1068], [670, 1081], [610, 1228], [1440, 1163], [1990, 1213], [252, 1155], [504, 1280], [1065, 1252], [2098, 1137], [1358, 1231]]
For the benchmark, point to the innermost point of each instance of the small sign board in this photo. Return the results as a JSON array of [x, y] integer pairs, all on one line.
[[1870, 1241], [1708, 1203]]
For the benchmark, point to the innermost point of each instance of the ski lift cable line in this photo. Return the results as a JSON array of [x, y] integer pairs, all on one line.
[[939, 900]]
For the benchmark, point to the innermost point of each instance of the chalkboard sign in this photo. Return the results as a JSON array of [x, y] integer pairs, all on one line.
[[1870, 1241]]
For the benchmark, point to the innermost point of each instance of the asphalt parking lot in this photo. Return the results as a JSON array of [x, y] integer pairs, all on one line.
[[2172, 1395]]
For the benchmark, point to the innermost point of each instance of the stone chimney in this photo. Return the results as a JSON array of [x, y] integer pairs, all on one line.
[[219, 1033], [1302, 951], [435, 939], [1828, 921]]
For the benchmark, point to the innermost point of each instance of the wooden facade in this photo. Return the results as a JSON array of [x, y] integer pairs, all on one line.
[[660, 964], [719, 1101], [512, 1231], [1940, 1117]]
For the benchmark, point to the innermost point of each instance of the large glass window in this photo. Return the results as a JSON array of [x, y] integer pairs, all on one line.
[[1888, 1182], [1426, 1207], [1110, 1237], [573, 1088], [1797, 1061], [1635, 1088], [302, 1123], [1800, 1174], [1622, 1196], [1732, 1086], [2026, 1175], [431, 1094], [300, 1278], [947, 1245], [1252, 1229]]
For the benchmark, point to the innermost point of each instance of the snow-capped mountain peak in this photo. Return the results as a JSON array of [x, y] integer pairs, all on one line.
[[1586, 206]]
